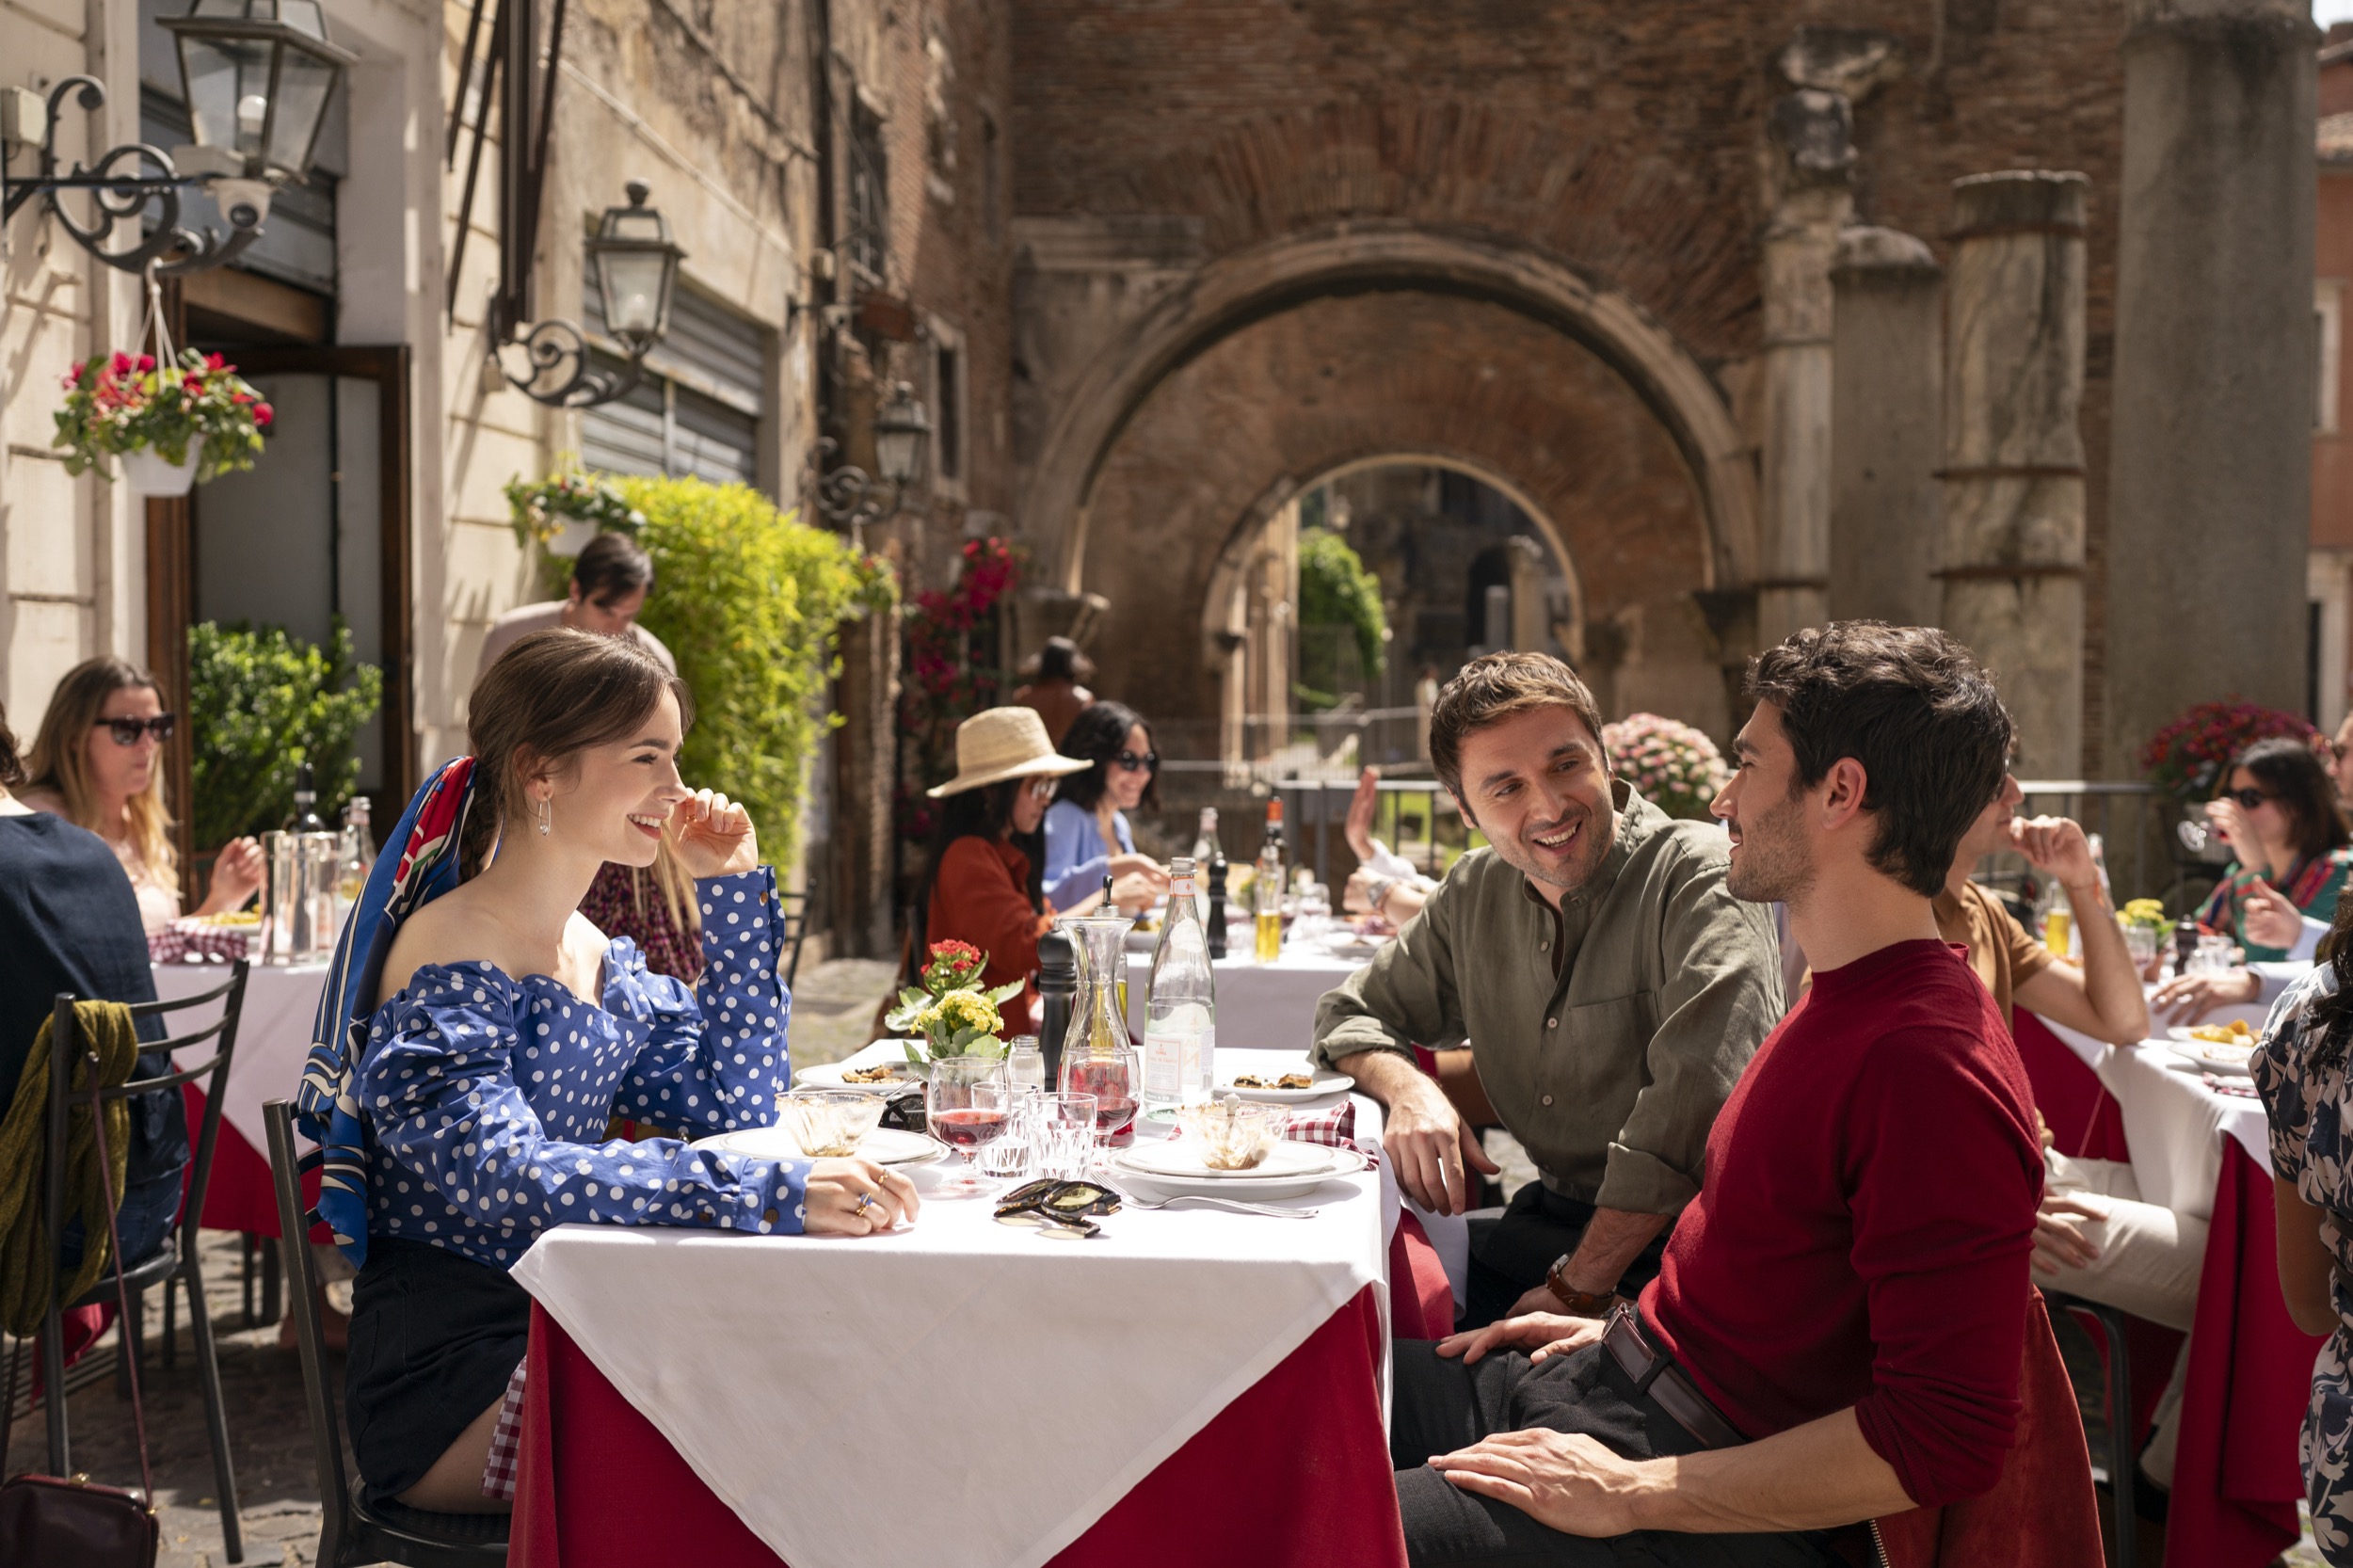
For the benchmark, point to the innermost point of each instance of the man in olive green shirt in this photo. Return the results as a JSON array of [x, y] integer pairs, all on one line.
[[1611, 987]]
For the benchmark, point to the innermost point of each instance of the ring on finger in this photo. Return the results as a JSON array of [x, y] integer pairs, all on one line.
[[865, 1202]]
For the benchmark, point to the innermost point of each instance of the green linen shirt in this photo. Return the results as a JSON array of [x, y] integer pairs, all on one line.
[[1607, 1036]]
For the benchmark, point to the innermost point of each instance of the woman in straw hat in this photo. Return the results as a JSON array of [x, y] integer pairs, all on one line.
[[979, 885]]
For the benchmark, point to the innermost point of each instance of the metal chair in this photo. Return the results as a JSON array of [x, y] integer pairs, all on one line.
[[2116, 1399], [353, 1531], [795, 911], [175, 1261]]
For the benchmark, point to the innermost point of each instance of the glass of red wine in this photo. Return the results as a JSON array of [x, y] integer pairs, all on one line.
[[1113, 1077], [966, 1104]]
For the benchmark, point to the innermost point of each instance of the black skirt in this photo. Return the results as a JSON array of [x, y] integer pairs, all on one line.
[[434, 1340]]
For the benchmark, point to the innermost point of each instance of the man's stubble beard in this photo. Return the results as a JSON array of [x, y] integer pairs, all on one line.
[[1593, 839], [1772, 865]]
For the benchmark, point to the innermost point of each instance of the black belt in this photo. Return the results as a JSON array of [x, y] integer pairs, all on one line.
[[1655, 1373]]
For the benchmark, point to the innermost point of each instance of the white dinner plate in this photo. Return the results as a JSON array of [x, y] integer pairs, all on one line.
[[827, 1075], [884, 1146], [2218, 1058], [1326, 1082], [1181, 1156], [1259, 1183]]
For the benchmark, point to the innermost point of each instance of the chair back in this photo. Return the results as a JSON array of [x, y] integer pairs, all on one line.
[[794, 907], [302, 1275], [65, 1049]]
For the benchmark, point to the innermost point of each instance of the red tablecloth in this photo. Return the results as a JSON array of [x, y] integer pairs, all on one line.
[[2084, 1117], [600, 1487], [240, 1196], [2235, 1480]]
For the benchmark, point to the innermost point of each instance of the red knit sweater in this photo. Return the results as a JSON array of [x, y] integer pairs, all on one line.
[[981, 896], [1861, 1234]]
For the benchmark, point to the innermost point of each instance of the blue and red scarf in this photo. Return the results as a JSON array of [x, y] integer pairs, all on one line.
[[419, 863]]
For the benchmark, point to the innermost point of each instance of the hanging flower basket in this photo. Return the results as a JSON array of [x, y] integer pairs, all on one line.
[[193, 416], [150, 473]]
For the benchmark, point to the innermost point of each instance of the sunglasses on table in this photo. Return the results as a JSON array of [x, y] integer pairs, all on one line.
[[127, 731], [2249, 799], [1138, 761]]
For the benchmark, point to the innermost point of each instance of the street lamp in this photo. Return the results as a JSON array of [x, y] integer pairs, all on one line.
[[849, 498], [635, 264], [257, 75]]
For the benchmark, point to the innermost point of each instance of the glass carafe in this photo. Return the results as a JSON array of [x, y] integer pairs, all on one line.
[[1098, 1058]]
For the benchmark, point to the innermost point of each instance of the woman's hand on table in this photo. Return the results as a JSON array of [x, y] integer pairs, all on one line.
[[712, 836], [2271, 920], [855, 1197], [1141, 866], [1543, 1334], [1133, 893], [2188, 998], [236, 876], [2059, 1242]]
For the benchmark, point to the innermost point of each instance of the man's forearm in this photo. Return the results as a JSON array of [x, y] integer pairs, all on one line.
[[1613, 1239], [2111, 984], [1384, 1073], [1814, 1477]]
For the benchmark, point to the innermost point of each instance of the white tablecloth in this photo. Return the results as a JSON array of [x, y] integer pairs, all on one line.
[[961, 1392], [2173, 1123], [1259, 1006], [273, 1036]]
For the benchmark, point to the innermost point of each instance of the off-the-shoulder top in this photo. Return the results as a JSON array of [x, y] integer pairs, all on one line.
[[486, 1098]]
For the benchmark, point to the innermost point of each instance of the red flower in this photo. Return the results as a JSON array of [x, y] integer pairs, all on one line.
[[263, 415], [195, 384], [146, 362], [215, 362], [963, 953], [120, 363]]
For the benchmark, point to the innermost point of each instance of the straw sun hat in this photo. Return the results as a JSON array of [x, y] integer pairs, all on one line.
[[999, 743]]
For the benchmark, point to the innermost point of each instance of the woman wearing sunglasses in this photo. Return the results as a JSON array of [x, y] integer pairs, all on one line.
[[1087, 837], [98, 761], [2277, 810]]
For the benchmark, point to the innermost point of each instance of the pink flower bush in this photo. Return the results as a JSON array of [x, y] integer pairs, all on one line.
[[1673, 766], [2186, 757]]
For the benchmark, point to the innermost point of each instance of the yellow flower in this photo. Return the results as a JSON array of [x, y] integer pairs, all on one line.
[[960, 1009]]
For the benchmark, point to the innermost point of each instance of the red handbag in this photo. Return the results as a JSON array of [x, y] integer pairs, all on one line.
[[49, 1522]]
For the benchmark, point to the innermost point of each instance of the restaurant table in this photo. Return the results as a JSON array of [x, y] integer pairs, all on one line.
[[281, 1003], [1194, 1386], [1259, 1006], [2235, 1479]]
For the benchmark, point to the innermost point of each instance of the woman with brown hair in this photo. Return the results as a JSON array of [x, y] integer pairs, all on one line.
[[480, 1034], [2277, 810], [98, 763]]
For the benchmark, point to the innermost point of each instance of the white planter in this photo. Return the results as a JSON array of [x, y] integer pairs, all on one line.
[[151, 476]]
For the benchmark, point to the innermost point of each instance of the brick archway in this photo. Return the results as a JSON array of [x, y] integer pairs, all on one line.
[[1232, 293], [1209, 451]]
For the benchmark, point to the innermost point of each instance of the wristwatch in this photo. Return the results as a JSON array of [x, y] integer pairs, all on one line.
[[1577, 1304]]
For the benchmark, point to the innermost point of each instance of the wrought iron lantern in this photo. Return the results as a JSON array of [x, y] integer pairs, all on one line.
[[635, 265], [848, 497], [902, 438], [257, 75]]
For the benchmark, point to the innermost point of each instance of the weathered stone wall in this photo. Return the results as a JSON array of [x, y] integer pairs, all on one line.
[[1628, 142], [1272, 409]]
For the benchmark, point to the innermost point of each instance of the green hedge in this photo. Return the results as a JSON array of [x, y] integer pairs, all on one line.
[[1336, 591], [262, 703], [750, 601]]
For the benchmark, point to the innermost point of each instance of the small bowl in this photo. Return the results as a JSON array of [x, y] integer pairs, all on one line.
[[1236, 1134], [830, 1124]]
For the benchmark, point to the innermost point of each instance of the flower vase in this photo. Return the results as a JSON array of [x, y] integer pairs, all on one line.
[[152, 474]]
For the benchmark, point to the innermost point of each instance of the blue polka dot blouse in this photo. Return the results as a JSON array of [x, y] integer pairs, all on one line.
[[486, 1098]]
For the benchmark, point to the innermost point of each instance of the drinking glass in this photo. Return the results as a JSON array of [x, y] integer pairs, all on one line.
[[1063, 1129], [1113, 1077], [964, 1105], [2141, 945]]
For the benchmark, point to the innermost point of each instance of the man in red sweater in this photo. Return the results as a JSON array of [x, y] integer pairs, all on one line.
[[1837, 1330]]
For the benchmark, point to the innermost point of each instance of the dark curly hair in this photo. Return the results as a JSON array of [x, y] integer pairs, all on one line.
[[1099, 734], [2292, 774]]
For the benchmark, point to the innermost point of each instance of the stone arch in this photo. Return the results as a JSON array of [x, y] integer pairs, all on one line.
[[1234, 292]]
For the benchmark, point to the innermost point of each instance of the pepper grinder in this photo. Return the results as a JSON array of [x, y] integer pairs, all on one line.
[[1057, 992]]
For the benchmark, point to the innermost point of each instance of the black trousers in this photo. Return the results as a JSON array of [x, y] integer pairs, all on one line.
[[434, 1338], [1440, 1406], [1512, 1253]]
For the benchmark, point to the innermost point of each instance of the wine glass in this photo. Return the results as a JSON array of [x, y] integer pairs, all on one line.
[[1113, 1076], [964, 1105]]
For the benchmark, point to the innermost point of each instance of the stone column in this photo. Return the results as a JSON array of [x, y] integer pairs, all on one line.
[[1811, 198], [2012, 555], [865, 754], [2210, 483], [1886, 391], [1802, 242]]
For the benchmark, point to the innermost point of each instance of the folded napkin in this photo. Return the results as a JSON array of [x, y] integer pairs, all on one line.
[[2237, 1088], [193, 941]]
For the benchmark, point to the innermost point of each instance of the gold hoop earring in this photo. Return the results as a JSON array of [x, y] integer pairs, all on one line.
[[547, 817]]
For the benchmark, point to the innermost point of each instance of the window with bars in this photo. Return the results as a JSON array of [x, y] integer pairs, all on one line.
[[866, 240]]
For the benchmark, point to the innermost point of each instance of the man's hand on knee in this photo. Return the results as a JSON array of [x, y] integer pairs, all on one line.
[[1566, 1481]]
